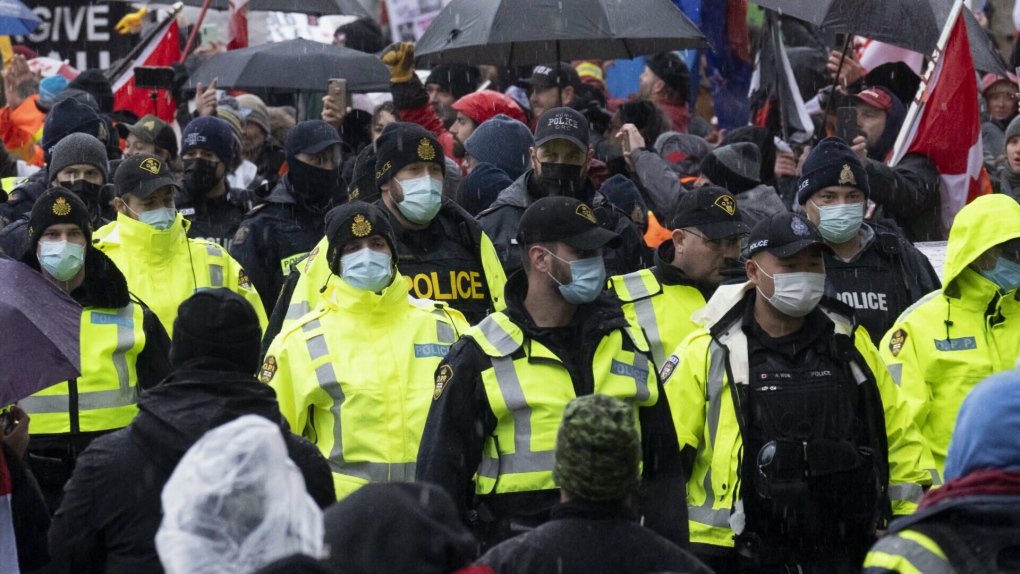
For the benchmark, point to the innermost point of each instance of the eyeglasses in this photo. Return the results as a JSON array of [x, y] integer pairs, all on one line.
[[739, 241]]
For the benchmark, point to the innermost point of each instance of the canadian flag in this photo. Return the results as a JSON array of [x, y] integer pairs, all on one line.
[[944, 121], [160, 47], [237, 26]]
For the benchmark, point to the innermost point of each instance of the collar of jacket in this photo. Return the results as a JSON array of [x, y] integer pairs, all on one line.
[[971, 291], [591, 510], [670, 274], [146, 243], [390, 302]]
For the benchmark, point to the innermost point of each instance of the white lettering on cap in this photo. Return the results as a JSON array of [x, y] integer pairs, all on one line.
[[563, 122], [758, 244]]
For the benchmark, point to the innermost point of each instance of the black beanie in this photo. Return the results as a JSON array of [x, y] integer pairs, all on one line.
[[56, 206], [217, 324], [760, 137], [672, 70], [351, 221], [458, 79], [831, 163], [402, 144], [95, 83], [68, 117], [735, 166], [362, 186]]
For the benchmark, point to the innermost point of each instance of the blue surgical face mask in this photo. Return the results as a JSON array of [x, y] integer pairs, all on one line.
[[161, 218], [839, 223], [587, 279], [61, 259], [1005, 274], [422, 198], [367, 269]]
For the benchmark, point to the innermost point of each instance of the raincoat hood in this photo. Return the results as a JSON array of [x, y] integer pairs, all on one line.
[[987, 427], [984, 223]]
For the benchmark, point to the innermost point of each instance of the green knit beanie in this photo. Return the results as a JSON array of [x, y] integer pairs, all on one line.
[[598, 449]]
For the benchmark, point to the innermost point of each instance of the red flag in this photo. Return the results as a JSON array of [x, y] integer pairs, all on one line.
[[947, 125], [162, 49], [237, 25]]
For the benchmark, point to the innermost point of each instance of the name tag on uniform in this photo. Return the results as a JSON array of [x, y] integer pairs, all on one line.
[[961, 344], [625, 370], [432, 350], [188, 211], [98, 318]]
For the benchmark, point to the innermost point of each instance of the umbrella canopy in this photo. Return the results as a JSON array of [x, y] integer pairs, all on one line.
[[911, 24], [16, 19], [294, 65], [40, 340], [528, 32], [317, 7]]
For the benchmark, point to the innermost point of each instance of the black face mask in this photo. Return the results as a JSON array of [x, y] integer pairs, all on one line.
[[200, 176], [92, 194], [317, 187], [562, 179]]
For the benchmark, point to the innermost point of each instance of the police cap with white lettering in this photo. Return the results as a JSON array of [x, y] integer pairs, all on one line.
[[561, 219], [784, 234], [562, 124]]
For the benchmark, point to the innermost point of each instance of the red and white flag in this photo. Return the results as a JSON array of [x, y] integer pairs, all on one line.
[[944, 123], [161, 48], [237, 25]]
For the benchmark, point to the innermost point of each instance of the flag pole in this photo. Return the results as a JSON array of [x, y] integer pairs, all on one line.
[[194, 31], [915, 106]]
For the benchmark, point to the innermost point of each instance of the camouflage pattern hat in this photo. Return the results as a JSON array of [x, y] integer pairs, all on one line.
[[598, 449]]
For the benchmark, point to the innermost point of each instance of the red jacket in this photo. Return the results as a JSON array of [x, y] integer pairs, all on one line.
[[678, 113]]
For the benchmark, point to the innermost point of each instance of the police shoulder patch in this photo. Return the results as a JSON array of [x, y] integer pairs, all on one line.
[[242, 280], [443, 377], [268, 370], [896, 342], [668, 368]]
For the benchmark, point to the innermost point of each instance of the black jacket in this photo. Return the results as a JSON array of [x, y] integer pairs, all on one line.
[[500, 223], [908, 193], [216, 219], [29, 514], [273, 236], [112, 509], [885, 278], [21, 199], [583, 537], [461, 418]]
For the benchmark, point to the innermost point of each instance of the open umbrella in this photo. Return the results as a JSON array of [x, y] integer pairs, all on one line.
[[16, 19], [40, 339], [527, 32], [294, 65], [911, 24]]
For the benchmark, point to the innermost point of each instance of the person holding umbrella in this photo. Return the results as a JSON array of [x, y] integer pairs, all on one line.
[[124, 348]]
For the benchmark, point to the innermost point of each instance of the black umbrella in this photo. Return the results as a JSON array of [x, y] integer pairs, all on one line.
[[40, 342], [527, 32], [911, 24], [317, 7], [292, 66]]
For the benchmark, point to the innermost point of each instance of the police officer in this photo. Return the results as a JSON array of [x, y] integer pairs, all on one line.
[[123, 346], [283, 230], [149, 244], [876, 272], [793, 425], [501, 391], [210, 151], [705, 243], [560, 162], [353, 376], [78, 163], [949, 340]]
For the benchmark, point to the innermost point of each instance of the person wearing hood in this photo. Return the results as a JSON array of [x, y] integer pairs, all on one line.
[[909, 191], [971, 523], [786, 378], [560, 161], [78, 163], [708, 233], [878, 273], [112, 508], [737, 167], [999, 95], [953, 338], [363, 358], [124, 348], [489, 439], [1009, 173], [210, 150], [66, 118], [150, 245], [284, 229]]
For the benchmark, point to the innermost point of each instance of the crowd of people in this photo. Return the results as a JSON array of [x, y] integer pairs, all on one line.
[[507, 323]]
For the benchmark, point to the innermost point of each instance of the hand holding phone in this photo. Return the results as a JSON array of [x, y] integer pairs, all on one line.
[[846, 124]]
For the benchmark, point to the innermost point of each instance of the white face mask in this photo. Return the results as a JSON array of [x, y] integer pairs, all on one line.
[[367, 269], [796, 294], [839, 223], [423, 196]]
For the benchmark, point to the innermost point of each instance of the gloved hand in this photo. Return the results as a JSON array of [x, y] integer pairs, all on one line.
[[132, 23], [399, 58]]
